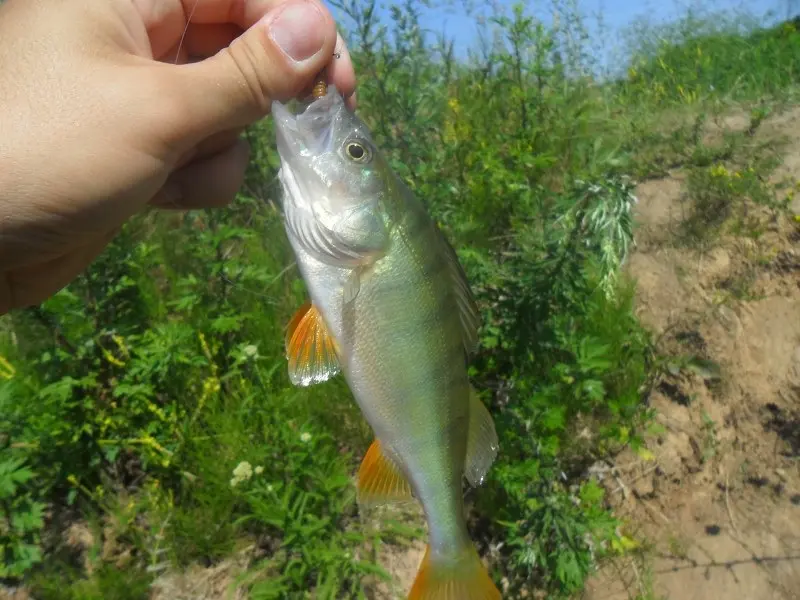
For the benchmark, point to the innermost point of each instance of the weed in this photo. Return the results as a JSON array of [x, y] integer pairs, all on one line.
[[22, 518], [718, 194], [710, 441]]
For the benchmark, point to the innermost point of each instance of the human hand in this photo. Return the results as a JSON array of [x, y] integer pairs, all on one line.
[[97, 122]]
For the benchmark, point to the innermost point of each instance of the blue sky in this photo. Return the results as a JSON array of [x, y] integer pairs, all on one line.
[[617, 15]]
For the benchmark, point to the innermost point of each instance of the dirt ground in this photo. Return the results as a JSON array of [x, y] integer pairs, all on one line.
[[719, 505]]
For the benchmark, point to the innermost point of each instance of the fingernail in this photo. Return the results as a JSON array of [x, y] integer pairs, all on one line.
[[299, 30]]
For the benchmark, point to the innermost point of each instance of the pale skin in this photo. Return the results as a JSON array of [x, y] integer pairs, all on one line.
[[98, 122]]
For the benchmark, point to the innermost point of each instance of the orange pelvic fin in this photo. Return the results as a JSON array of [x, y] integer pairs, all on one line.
[[462, 579], [380, 480], [310, 348]]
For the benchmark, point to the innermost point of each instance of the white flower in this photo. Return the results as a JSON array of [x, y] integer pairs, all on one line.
[[258, 470], [242, 472], [305, 437]]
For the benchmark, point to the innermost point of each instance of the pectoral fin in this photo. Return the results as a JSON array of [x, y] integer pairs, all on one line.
[[482, 443], [380, 480], [352, 286], [310, 348]]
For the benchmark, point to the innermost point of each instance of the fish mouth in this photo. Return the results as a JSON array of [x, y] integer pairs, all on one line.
[[304, 133], [304, 127]]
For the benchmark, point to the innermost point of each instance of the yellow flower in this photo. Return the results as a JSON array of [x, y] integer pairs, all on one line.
[[719, 171], [207, 352], [7, 370], [112, 359], [120, 342]]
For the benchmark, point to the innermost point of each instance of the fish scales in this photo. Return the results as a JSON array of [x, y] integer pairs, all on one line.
[[406, 343]]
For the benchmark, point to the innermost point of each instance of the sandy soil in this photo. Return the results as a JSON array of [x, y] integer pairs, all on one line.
[[720, 503]]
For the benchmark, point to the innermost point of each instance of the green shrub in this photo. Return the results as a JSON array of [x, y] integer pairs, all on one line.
[[21, 519]]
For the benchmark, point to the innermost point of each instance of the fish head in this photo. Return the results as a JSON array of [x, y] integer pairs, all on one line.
[[334, 180]]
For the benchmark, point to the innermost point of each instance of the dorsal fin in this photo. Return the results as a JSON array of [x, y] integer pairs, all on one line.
[[468, 309]]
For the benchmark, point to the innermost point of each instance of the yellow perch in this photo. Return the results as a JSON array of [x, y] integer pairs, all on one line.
[[392, 311]]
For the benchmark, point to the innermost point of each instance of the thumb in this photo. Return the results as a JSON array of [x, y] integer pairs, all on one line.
[[274, 59]]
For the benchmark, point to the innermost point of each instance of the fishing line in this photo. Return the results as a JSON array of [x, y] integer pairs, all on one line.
[[185, 29], [277, 277], [319, 90], [227, 280]]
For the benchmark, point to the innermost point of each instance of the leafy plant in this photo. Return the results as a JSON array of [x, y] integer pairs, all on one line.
[[717, 195], [22, 518]]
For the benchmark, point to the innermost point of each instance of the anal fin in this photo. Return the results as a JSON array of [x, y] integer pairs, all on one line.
[[310, 348], [380, 480], [482, 442]]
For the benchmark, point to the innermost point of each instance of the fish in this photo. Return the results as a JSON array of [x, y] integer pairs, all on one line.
[[391, 310]]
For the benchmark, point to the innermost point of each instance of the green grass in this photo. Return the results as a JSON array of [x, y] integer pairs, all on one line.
[[151, 399]]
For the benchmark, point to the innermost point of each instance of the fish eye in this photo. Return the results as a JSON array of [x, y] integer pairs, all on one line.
[[357, 151]]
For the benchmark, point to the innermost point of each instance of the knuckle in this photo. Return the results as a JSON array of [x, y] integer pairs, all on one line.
[[261, 77]]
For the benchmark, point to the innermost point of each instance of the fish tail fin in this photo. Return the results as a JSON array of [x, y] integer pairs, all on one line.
[[460, 578]]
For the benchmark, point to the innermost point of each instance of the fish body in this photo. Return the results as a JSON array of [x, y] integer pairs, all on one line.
[[390, 308]]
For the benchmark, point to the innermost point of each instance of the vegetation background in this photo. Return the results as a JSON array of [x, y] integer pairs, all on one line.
[[147, 422]]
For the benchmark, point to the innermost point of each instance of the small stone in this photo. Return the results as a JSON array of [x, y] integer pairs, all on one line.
[[713, 529]]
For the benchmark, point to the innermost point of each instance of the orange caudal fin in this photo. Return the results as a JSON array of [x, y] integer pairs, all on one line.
[[380, 480], [462, 578]]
